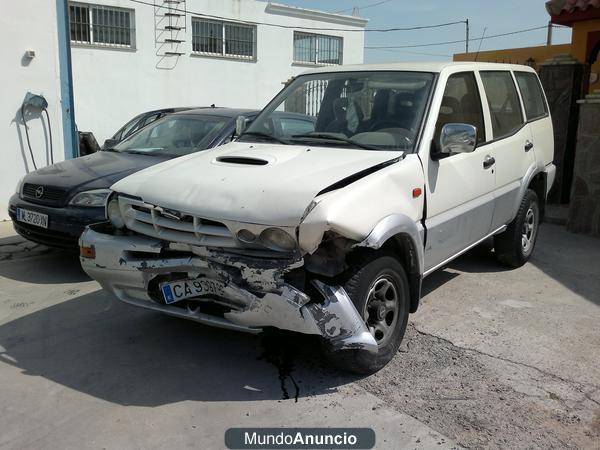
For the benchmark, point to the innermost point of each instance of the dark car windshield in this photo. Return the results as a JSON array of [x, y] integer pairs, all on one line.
[[174, 135], [372, 110]]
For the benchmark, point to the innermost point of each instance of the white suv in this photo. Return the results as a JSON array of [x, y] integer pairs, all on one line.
[[327, 226]]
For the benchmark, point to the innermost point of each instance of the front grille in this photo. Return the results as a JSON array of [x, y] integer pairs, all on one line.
[[45, 195], [174, 226], [46, 236]]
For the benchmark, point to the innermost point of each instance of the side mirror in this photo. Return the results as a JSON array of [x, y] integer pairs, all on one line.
[[240, 125], [456, 138], [110, 143]]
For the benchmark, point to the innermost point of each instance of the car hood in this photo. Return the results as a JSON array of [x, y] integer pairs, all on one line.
[[96, 171], [252, 183]]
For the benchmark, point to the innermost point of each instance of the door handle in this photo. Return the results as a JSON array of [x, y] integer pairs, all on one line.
[[488, 161], [528, 145]]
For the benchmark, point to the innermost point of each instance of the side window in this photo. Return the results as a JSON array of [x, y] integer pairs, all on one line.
[[503, 101], [461, 104], [296, 126], [141, 124], [150, 119], [533, 97], [126, 129]]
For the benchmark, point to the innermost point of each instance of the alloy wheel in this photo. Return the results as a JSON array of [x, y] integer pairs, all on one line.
[[381, 309], [529, 231]]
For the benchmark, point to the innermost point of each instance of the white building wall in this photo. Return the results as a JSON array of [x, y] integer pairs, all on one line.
[[111, 85], [22, 30]]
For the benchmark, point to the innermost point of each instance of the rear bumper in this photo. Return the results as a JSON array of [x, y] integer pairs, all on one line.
[[65, 224], [256, 295]]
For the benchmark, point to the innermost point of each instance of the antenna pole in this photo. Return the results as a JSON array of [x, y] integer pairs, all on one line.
[[467, 39], [480, 42]]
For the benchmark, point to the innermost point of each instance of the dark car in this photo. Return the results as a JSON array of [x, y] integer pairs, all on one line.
[[139, 122], [53, 205]]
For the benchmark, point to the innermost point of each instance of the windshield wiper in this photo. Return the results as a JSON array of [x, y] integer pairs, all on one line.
[[264, 135], [139, 152], [330, 137]]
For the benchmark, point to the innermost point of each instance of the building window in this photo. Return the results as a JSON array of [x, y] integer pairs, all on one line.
[[101, 25], [317, 49], [217, 38]]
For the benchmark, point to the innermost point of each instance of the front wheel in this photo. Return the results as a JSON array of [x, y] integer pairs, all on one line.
[[378, 288], [515, 245]]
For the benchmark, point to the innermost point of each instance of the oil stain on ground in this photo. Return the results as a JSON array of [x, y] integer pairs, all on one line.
[[281, 350]]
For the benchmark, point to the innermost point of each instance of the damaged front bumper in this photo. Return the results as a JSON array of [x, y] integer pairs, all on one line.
[[255, 294]]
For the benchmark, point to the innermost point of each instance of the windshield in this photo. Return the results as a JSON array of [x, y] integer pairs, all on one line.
[[174, 135], [372, 110]]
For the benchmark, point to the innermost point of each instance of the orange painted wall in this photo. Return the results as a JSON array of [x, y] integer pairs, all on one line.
[[517, 55], [578, 49], [579, 37]]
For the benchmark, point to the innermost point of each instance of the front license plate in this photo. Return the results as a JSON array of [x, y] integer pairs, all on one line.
[[32, 218], [175, 291]]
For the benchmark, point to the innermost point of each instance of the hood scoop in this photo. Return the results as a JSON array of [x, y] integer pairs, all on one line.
[[242, 160]]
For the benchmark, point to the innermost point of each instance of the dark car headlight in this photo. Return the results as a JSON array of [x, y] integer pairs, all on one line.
[[20, 186], [92, 199]]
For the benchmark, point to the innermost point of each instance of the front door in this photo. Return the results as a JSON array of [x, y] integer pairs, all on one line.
[[460, 195]]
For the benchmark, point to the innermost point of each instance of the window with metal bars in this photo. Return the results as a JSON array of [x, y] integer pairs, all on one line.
[[317, 48], [218, 38], [101, 25]]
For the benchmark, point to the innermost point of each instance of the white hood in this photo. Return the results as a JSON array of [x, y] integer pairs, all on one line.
[[274, 193]]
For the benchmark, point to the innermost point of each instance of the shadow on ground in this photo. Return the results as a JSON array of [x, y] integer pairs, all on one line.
[[130, 356], [570, 259], [54, 267], [478, 260]]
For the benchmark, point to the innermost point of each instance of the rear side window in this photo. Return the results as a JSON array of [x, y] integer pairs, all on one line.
[[150, 119], [503, 101], [533, 97], [126, 129]]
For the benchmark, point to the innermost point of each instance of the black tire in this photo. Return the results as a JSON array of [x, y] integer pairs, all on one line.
[[358, 281], [510, 245]]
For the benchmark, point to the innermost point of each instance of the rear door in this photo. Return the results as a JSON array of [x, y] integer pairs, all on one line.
[[460, 187], [511, 145], [537, 115]]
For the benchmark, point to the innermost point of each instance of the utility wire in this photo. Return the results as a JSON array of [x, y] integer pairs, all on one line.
[[363, 7], [413, 53], [276, 25], [373, 47]]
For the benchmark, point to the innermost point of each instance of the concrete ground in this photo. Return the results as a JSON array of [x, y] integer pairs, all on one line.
[[493, 359]]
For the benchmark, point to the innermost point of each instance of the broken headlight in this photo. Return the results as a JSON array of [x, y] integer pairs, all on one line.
[[246, 236], [113, 213], [277, 239]]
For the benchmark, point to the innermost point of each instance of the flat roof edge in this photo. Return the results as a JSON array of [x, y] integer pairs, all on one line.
[[311, 14]]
